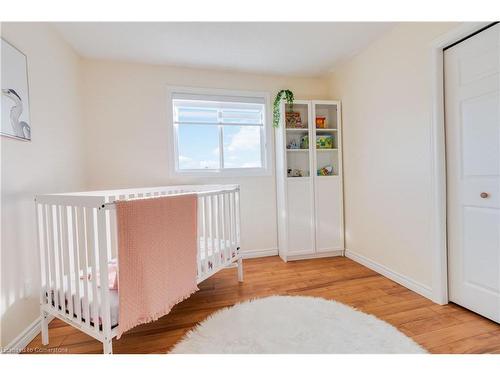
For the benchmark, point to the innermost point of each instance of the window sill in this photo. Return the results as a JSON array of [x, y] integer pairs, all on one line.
[[247, 172]]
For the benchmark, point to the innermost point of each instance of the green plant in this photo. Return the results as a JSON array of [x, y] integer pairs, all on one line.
[[276, 106]]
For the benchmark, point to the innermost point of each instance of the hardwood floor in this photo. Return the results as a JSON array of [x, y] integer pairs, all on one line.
[[440, 329]]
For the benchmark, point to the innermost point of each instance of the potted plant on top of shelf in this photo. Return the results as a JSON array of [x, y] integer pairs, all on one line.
[[288, 96]]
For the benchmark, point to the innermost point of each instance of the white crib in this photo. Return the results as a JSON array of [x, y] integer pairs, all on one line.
[[77, 237]]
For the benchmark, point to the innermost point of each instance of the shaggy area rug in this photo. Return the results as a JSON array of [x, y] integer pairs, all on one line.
[[289, 324]]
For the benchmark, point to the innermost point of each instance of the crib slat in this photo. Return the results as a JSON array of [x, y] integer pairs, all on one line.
[[212, 229], [110, 229], [82, 245], [76, 265], [216, 248], [59, 259], [46, 292], [89, 220], [103, 274], [224, 227], [66, 256], [231, 221], [237, 218], [228, 227], [62, 260], [114, 239], [205, 235], [199, 235], [54, 294], [222, 241]]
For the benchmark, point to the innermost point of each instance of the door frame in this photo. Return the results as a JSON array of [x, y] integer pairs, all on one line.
[[438, 158]]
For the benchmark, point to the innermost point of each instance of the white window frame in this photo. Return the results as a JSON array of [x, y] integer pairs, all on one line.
[[266, 135]]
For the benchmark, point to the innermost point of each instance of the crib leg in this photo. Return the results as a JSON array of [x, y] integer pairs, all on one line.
[[45, 327], [240, 269], [107, 346]]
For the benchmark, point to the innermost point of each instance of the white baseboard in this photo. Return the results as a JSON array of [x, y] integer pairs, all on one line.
[[248, 254], [324, 254], [405, 281], [24, 338]]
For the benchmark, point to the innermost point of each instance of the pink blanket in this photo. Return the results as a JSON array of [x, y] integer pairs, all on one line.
[[156, 256]]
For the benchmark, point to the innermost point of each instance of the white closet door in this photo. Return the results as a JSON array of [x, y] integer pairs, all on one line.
[[473, 171]]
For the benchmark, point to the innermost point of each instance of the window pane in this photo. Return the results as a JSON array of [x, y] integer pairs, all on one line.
[[192, 114], [198, 147], [242, 147], [236, 116]]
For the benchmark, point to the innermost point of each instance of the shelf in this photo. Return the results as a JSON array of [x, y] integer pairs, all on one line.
[[310, 198]]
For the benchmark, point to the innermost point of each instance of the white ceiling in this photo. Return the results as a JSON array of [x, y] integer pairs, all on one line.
[[292, 48]]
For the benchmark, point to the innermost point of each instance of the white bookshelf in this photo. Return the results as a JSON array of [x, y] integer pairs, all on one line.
[[310, 203]]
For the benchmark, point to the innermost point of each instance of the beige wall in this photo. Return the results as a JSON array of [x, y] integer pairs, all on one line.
[[128, 135], [51, 162], [386, 99]]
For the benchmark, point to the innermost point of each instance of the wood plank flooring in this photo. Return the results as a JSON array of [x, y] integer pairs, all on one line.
[[440, 329]]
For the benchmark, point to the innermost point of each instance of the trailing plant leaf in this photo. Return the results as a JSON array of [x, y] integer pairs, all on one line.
[[276, 105]]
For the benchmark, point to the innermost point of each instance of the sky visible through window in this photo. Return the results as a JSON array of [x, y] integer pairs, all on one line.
[[198, 143]]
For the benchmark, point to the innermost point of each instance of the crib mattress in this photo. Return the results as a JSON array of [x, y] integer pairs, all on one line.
[[113, 302]]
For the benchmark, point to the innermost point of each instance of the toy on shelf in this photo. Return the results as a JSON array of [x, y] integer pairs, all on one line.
[[293, 120], [324, 141], [304, 142], [320, 122], [294, 144], [296, 172], [326, 171]]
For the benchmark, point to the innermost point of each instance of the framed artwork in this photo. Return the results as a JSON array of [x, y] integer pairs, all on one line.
[[15, 109]]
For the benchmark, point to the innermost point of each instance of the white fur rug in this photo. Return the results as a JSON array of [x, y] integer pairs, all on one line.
[[288, 324]]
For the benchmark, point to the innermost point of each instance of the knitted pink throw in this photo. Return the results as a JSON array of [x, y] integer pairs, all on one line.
[[156, 256]]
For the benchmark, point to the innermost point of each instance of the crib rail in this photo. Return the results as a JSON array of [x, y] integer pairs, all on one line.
[[77, 238]]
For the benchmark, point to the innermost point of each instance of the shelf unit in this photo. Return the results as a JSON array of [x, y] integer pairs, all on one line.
[[310, 221]]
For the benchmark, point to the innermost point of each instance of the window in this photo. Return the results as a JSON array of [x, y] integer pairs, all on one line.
[[219, 134]]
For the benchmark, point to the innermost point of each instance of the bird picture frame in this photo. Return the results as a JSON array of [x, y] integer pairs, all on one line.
[[15, 106]]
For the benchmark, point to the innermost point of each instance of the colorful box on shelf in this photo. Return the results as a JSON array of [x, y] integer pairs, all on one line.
[[324, 141], [320, 122]]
